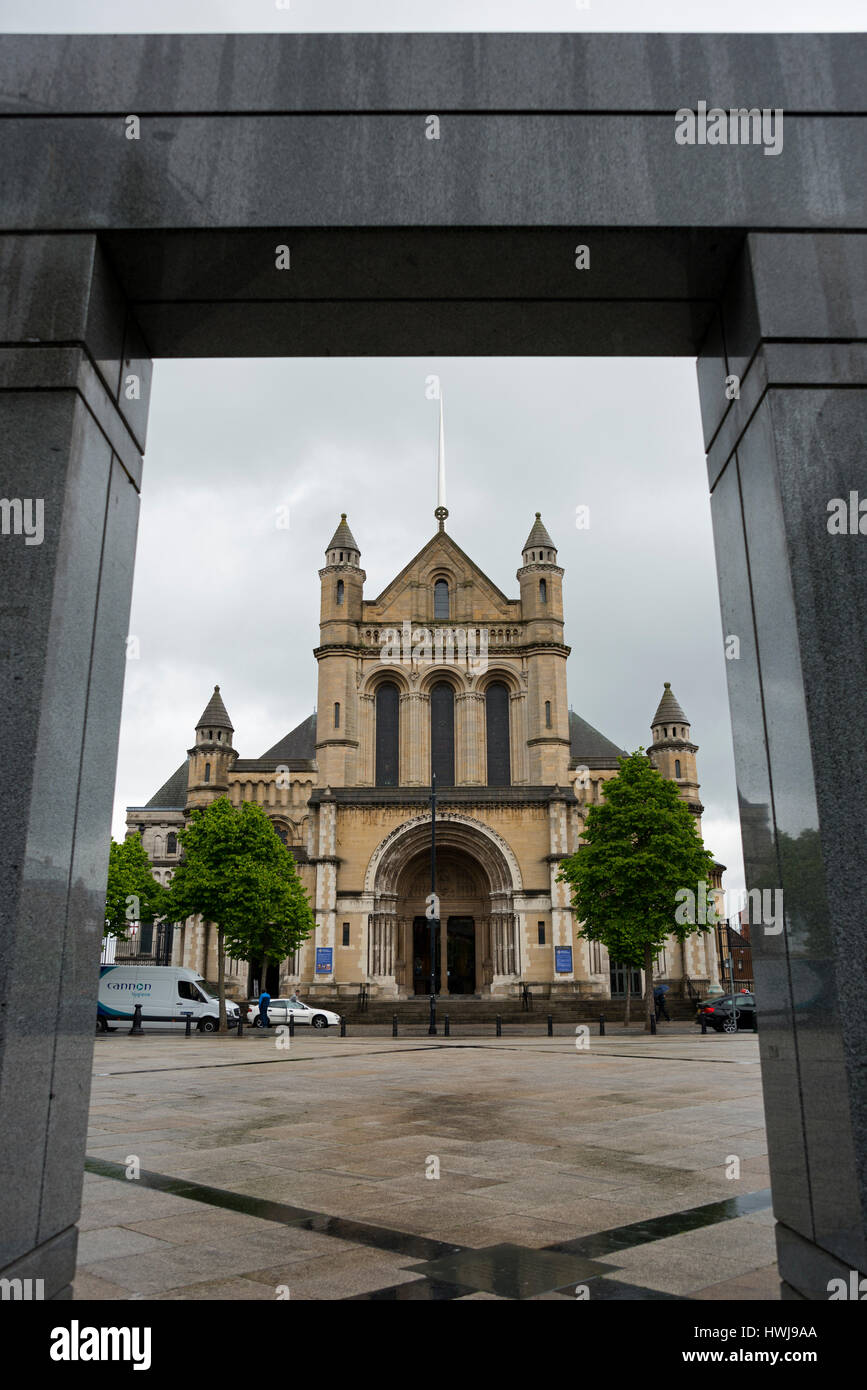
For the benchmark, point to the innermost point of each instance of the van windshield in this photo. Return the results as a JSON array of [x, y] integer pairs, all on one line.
[[209, 987]]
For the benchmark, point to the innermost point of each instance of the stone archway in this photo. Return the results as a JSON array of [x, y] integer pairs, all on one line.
[[477, 878]]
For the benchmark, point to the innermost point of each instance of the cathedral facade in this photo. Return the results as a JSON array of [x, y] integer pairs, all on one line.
[[443, 677]]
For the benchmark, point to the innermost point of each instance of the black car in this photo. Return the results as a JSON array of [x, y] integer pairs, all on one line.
[[728, 1012]]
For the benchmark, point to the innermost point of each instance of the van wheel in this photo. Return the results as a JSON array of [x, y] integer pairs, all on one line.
[[208, 1025], [319, 1021]]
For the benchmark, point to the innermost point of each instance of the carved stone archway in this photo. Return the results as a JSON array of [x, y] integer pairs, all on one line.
[[477, 878]]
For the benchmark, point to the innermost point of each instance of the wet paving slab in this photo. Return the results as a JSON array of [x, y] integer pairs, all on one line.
[[543, 1155]]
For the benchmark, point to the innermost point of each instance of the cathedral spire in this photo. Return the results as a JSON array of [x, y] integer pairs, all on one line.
[[441, 509]]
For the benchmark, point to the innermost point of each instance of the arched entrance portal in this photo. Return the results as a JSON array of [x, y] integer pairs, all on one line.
[[476, 948], [464, 905]]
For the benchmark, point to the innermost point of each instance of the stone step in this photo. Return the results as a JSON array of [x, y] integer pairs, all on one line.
[[469, 1010]]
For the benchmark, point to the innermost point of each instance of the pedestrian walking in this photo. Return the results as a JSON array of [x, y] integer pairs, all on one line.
[[264, 1001], [659, 994]]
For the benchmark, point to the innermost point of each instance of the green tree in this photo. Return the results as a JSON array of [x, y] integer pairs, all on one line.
[[235, 871], [642, 871], [132, 893]]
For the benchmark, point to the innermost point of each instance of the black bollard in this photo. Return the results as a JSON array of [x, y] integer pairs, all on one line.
[[653, 1023], [755, 1020], [550, 1025], [342, 1026], [291, 1024], [499, 1025], [136, 1030], [703, 1025], [240, 1023], [394, 1025], [188, 1030], [602, 1025], [447, 1032]]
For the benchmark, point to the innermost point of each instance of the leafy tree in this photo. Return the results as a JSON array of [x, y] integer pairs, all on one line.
[[641, 854], [236, 872], [132, 892]]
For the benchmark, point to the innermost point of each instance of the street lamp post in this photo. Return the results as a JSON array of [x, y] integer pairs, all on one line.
[[433, 906]]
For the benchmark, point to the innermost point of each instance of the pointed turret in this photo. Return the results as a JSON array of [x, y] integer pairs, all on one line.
[[672, 751], [340, 608], [538, 547], [215, 714], [342, 549], [669, 711], [212, 756], [541, 581]]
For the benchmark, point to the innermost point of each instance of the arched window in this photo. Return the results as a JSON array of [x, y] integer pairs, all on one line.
[[442, 733], [207, 772], [172, 843], [497, 729], [543, 591], [281, 831], [337, 714], [339, 592], [547, 714], [677, 767], [387, 735], [441, 599]]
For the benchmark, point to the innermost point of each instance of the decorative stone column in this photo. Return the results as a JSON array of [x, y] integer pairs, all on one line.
[[470, 759], [518, 737], [366, 740], [414, 739]]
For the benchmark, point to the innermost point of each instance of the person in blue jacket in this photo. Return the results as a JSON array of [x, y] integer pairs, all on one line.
[[264, 1001]]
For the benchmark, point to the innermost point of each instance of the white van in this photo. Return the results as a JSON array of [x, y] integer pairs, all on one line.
[[167, 994]]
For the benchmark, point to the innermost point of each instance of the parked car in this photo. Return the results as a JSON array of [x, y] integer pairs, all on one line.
[[280, 1009], [728, 1012]]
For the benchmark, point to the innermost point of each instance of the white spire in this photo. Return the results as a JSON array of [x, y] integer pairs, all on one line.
[[441, 510]]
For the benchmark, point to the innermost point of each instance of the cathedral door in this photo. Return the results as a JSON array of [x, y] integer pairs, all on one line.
[[461, 955], [421, 955]]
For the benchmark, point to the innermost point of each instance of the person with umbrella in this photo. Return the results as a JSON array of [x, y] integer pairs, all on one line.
[[659, 993]]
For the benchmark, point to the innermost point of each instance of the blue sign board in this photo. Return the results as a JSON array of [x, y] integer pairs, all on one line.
[[563, 960], [325, 960]]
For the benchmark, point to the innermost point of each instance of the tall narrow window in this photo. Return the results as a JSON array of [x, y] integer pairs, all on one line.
[[171, 844], [677, 767], [207, 772], [339, 592], [543, 591], [547, 714], [387, 735], [442, 733], [497, 729], [441, 599], [337, 714]]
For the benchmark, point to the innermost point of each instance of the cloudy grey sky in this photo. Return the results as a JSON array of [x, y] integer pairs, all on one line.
[[222, 595]]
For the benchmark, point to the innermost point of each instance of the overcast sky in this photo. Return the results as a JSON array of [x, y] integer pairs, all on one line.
[[222, 595]]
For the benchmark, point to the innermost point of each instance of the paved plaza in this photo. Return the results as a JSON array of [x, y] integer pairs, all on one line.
[[309, 1171]]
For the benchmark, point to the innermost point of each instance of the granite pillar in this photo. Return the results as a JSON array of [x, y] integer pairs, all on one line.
[[74, 384], [783, 381]]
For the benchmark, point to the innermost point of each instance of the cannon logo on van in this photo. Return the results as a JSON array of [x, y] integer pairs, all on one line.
[[125, 984]]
